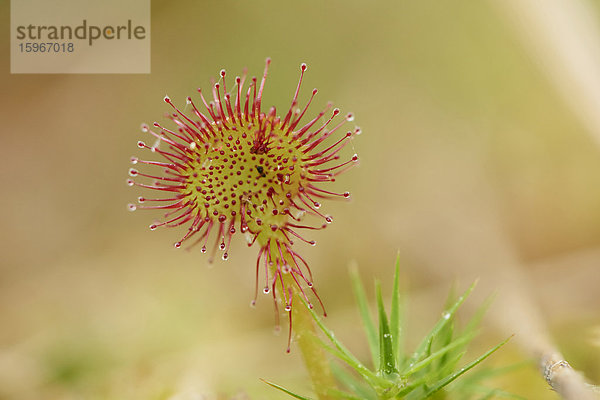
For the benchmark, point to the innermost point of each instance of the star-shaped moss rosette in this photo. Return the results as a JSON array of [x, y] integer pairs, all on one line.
[[235, 168]]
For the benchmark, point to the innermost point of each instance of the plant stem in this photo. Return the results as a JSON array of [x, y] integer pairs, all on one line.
[[315, 358]]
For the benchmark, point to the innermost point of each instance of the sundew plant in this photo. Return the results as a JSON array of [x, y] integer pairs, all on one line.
[[234, 168], [225, 165]]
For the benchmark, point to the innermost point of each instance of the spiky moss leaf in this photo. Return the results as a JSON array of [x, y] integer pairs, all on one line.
[[447, 315], [344, 354], [284, 390], [445, 381], [410, 388], [387, 359], [365, 314], [396, 315], [352, 383], [426, 362], [475, 320], [434, 362], [447, 363], [472, 383], [488, 373]]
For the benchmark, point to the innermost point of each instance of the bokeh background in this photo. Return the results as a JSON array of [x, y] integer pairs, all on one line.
[[479, 158]]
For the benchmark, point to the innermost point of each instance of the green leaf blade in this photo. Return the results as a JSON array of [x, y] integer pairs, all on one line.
[[286, 391], [448, 379], [425, 345], [387, 358], [365, 314], [396, 314]]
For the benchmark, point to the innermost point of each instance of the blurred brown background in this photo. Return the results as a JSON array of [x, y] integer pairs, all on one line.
[[478, 153]]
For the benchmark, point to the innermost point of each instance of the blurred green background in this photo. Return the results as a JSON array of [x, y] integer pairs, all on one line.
[[471, 159]]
